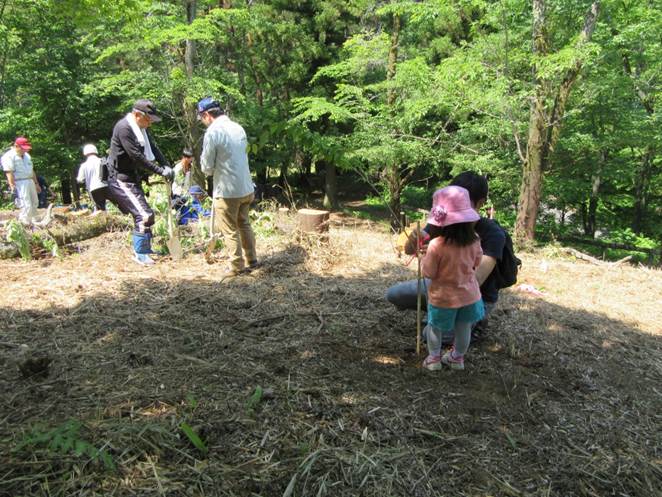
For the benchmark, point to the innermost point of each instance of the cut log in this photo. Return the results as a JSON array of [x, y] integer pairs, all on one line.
[[8, 250], [313, 221], [70, 230], [84, 228]]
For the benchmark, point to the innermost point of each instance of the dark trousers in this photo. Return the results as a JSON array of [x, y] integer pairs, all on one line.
[[100, 195], [130, 199]]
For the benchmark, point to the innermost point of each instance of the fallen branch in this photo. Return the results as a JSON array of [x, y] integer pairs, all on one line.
[[584, 257], [610, 245], [621, 261], [9, 345]]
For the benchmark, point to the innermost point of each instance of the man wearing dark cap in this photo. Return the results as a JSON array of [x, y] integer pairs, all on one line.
[[132, 152], [17, 165], [224, 155]]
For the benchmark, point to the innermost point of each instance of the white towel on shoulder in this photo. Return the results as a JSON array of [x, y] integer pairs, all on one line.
[[141, 136]]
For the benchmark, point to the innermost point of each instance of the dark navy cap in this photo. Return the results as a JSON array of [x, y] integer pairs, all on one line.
[[207, 103]]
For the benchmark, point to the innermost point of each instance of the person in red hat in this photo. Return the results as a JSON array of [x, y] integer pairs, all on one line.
[[17, 165]]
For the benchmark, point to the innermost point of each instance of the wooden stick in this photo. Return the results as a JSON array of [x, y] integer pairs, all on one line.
[[211, 244], [418, 289]]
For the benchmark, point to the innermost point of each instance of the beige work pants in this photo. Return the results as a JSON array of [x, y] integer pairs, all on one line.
[[231, 220]]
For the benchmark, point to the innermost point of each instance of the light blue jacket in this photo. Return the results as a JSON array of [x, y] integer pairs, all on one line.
[[225, 155]]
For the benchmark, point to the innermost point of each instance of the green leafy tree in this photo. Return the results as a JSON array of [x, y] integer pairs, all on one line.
[[386, 104]]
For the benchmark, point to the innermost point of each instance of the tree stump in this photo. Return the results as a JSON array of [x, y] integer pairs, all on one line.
[[314, 222]]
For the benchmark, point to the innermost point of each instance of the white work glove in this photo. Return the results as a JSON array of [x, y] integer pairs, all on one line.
[[168, 173]]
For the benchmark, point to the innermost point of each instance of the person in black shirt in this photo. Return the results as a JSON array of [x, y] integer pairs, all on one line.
[[492, 241], [132, 153], [44, 193]]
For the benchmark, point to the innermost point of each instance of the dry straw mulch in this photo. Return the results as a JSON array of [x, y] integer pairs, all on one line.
[[562, 398]]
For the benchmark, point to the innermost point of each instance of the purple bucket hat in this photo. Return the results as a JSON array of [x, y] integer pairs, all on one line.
[[451, 205]]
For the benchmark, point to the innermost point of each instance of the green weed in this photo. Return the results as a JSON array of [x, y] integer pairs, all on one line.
[[255, 399], [63, 440], [17, 235], [191, 404], [193, 437]]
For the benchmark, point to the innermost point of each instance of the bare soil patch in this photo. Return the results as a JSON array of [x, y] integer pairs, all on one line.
[[562, 398]]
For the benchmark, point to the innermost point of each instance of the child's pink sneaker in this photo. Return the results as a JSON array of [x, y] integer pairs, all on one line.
[[451, 361], [432, 363]]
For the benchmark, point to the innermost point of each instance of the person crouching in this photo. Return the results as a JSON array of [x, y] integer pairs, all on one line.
[[193, 211]]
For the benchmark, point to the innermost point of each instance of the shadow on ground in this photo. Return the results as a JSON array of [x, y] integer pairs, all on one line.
[[555, 401]]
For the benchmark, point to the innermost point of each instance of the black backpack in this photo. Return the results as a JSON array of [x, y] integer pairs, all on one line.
[[505, 272]]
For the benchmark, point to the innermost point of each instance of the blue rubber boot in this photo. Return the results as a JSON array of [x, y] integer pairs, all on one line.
[[142, 247], [153, 252]]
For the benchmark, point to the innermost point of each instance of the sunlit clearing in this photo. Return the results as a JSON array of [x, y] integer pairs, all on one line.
[[307, 354], [555, 328], [108, 337], [385, 359], [157, 410]]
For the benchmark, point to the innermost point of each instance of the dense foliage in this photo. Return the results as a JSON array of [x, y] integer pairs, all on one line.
[[395, 95]]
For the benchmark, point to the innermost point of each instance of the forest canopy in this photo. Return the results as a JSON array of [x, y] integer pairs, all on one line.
[[557, 102]]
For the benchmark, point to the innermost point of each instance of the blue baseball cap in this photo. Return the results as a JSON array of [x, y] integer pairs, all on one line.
[[196, 190], [207, 103]]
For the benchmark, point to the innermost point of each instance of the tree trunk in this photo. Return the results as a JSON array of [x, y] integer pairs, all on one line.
[[75, 187], [544, 122], [3, 56], [193, 132], [643, 174], [596, 181], [330, 186], [394, 185], [531, 187], [641, 183], [65, 183], [392, 172], [282, 175]]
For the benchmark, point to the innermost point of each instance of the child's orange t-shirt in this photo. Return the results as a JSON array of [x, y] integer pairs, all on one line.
[[452, 270]]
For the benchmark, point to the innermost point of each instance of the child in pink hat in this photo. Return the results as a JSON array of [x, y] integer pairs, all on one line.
[[454, 301]]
